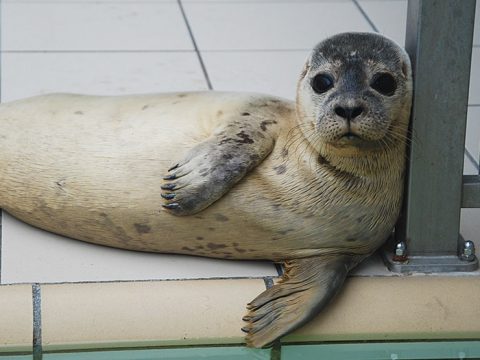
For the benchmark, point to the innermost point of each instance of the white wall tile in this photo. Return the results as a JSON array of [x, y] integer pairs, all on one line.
[[27, 74], [93, 26], [390, 17], [278, 25], [270, 72], [33, 255]]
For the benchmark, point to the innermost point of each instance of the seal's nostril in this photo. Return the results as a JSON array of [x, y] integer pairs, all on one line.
[[347, 112], [356, 111], [340, 111]]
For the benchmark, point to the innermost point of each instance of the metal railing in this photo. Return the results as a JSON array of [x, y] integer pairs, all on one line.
[[439, 41]]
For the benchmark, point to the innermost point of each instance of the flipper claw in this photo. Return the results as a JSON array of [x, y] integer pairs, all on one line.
[[171, 206], [168, 196], [169, 186]]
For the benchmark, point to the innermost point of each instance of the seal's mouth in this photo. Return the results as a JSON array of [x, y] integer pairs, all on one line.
[[351, 140], [350, 136]]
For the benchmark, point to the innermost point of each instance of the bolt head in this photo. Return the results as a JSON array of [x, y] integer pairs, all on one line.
[[468, 251]]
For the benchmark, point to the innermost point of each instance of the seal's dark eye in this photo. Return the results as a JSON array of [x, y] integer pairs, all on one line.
[[384, 83], [322, 83]]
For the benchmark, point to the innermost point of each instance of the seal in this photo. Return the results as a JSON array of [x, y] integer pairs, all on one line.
[[315, 184]]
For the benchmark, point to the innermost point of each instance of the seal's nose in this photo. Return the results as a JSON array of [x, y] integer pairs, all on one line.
[[348, 113]]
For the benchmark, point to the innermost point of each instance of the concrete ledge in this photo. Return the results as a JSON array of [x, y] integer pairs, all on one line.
[[206, 312], [16, 318]]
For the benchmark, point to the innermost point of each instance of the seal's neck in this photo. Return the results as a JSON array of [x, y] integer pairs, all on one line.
[[370, 164]]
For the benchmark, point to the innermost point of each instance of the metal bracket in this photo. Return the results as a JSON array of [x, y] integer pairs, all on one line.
[[404, 263], [429, 264]]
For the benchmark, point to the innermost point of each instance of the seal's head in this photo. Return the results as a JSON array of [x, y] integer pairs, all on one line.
[[354, 94]]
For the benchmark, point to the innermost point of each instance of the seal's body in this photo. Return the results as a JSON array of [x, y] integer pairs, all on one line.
[[314, 183]]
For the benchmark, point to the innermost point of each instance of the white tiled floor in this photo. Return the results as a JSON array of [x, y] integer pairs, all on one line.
[[124, 46], [87, 25], [27, 74], [270, 72], [271, 25]]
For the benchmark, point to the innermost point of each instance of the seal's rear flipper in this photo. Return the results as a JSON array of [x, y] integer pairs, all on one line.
[[305, 288]]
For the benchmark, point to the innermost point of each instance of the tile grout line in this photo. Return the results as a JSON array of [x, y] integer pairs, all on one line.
[[200, 59], [146, 51], [93, 51], [37, 322], [359, 7]]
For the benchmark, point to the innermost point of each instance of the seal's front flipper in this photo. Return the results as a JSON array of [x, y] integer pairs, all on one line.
[[213, 166], [305, 288]]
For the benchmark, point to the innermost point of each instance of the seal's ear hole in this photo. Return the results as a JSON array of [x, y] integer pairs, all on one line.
[[305, 69], [404, 69]]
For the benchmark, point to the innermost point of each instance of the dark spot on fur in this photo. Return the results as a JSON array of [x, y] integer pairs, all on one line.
[[211, 228], [240, 250], [284, 232], [276, 206], [188, 249], [219, 113], [199, 247], [182, 95], [199, 217], [226, 253], [284, 152], [145, 107], [280, 169], [351, 239], [265, 123], [199, 237], [220, 217], [142, 228], [245, 138], [60, 183], [78, 112], [226, 140], [216, 246], [322, 160], [227, 156], [360, 219], [245, 114]]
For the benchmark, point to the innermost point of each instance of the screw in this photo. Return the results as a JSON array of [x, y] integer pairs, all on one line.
[[468, 251], [400, 252]]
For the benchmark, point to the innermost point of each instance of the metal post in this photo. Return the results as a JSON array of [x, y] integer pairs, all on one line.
[[439, 42]]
